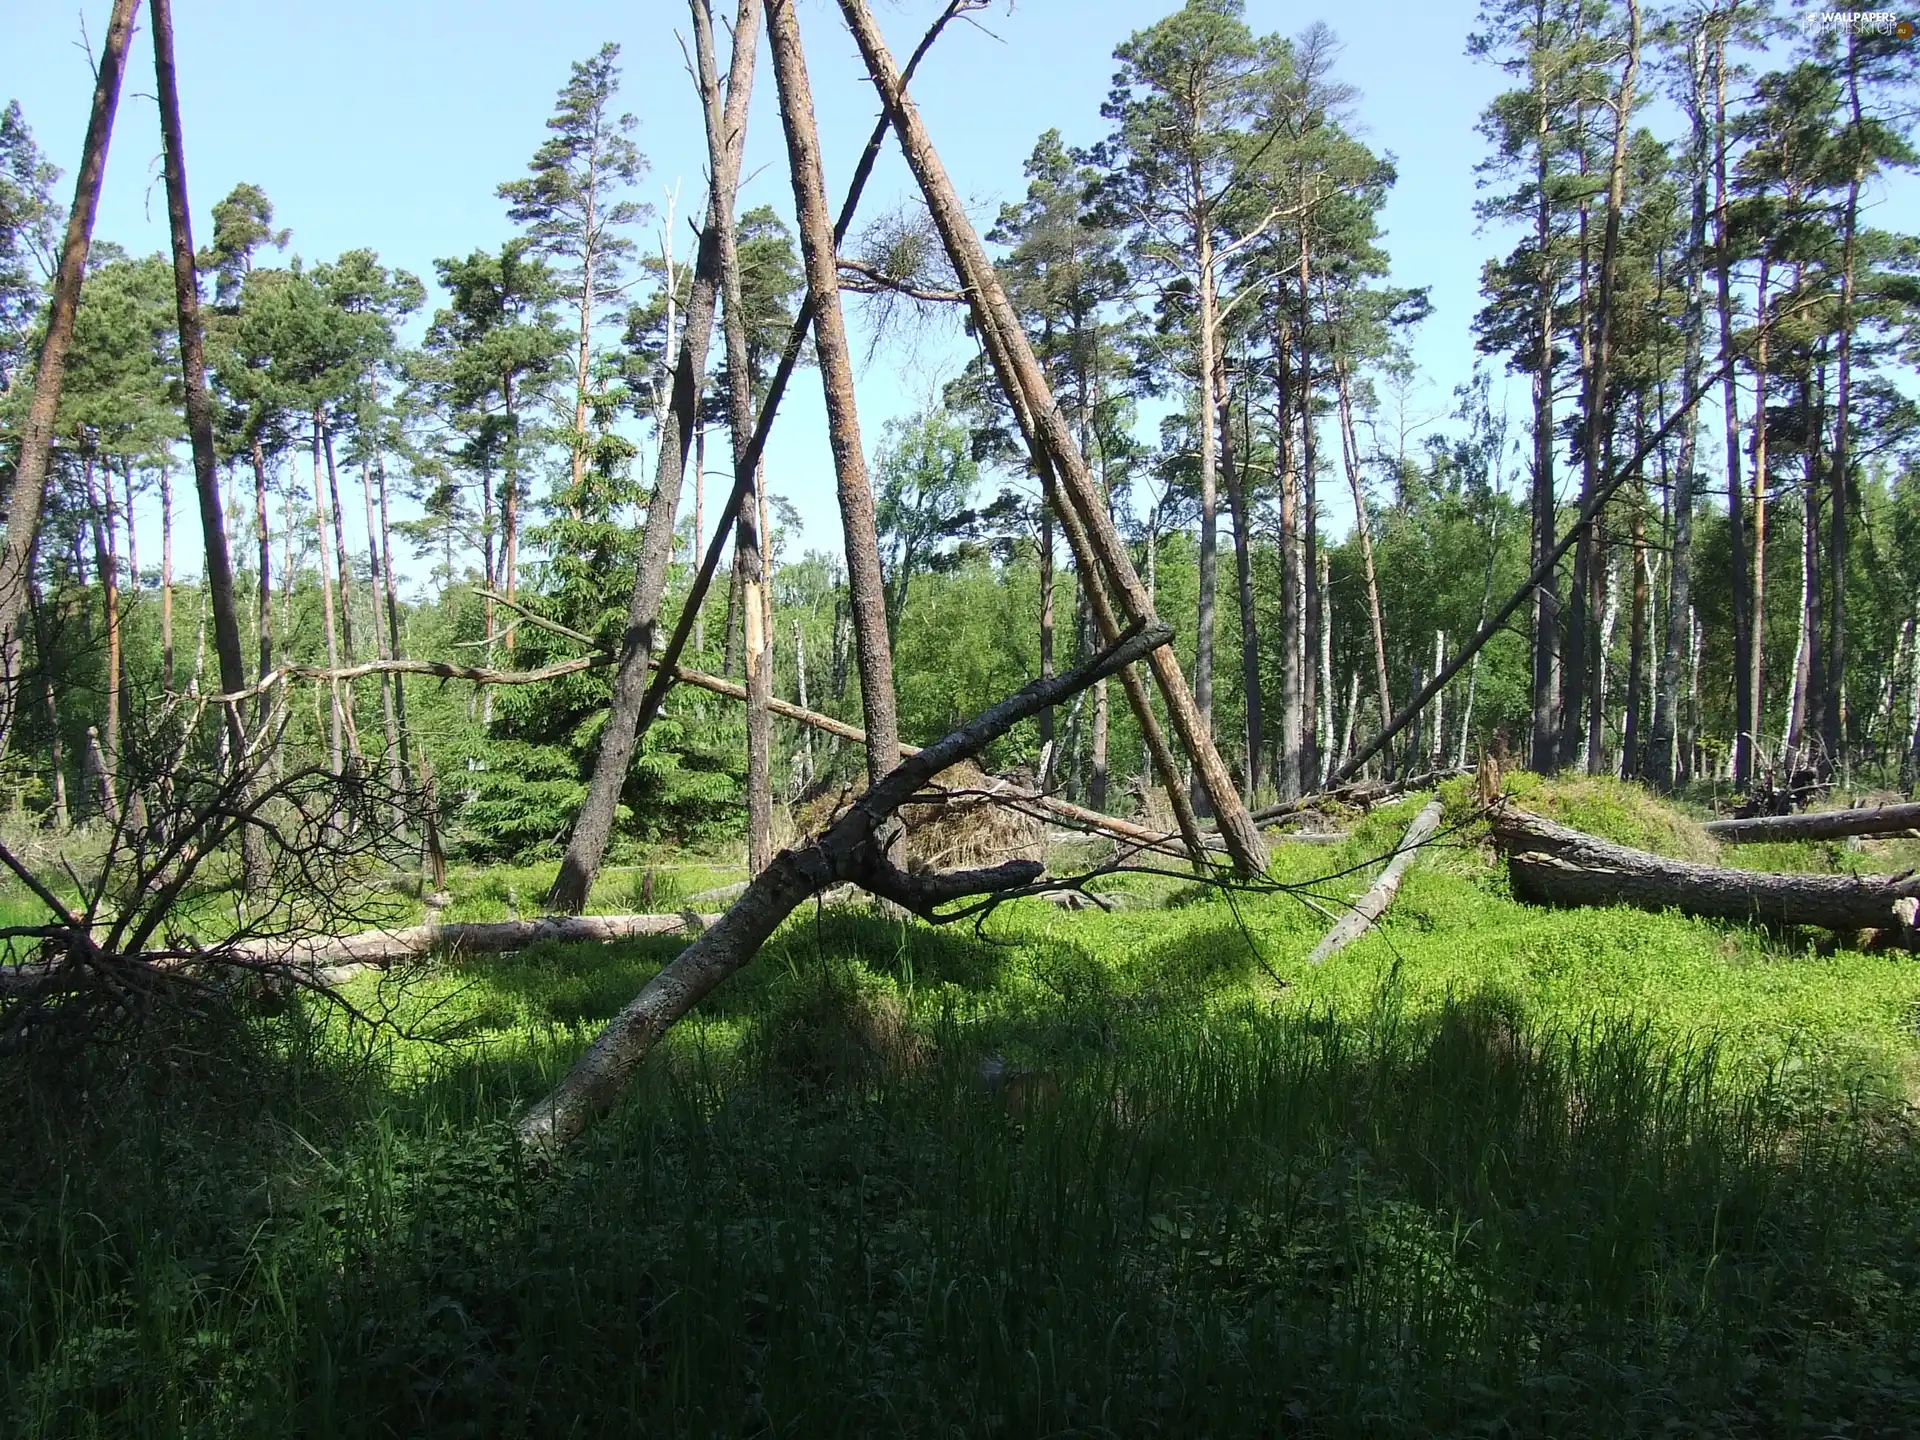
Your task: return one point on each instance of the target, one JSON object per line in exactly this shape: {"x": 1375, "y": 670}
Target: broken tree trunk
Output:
{"x": 851, "y": 849}
{"x": 1372, "y": 905}
{"x": 1024, "y": 382}
{"x": 1820, "y": 825}
{"x": 1553, "y": 865}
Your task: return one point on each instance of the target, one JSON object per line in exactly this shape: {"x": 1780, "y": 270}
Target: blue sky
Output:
{"x": 389, "y": 124}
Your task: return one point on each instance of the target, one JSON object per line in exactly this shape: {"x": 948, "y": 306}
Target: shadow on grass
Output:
{"x": 1237, "y": 1224}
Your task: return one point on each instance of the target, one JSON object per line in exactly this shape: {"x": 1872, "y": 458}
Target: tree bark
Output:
{"x": 1243, "y": 585}
{"x": 1580, "y": 664}
{"x": 1552, "y": 864}
{"x": 852, "y": 848}
{"x": 329, "y": 615}
{"x": 166, "y": 577}
{"x": 866, "y": 590}
{"x": 1834, "y": 732}
{"x": 593, "y": 826}
{"x": 1744, "y": 620}
{"x": 1816, "y": 825}
{"x": 1020, "y": 376}
{"x": 1372, "y": 905}
{"x": 36, "y": 435}
{"x": 1757, "y": 591}
{"x": 749, "y": 554}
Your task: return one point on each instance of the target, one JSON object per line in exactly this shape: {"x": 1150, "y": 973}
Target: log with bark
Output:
{"x": 329, "y": 960}
{"x": 1552, "y": 864}
{"x": 853, "y": 849}
{"x": 1372, "y": 905}
{"x": 1817, "y": 825}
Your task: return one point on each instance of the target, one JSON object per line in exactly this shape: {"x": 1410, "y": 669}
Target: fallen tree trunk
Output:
{"x": 1372, "y": 905}
{"x": 1552, "y": 864}
{"x": 1362, "y": 796}
{"x": 1819, "y": 825}
{"x": 329, "y": 960}
{"x": 850, "y": 849}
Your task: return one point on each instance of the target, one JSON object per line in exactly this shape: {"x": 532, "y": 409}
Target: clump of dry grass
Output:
{"x": 960, "y": 825}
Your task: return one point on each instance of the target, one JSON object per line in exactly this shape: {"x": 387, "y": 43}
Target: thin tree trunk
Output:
{"x": 56, "y": 757}
{"x": 389, "y": 714}
{"x": 1631, "y": 762}
{"x": 36, "y": 435}
{"x": 336, "y": 719}
{"x": 1544, "y": 746}
{"x": 805, "y": 779}
{"x": 1243, "y": 582}
{"x": 593, "y": 826}
{"x": 1206, "y": 320}
{"x": 1664, "y": 761}
{"x": 866, "y": 592}
{"x": 1044, "y": 555}
{"x": 699, "y": 529}
{"x": 749, "y": 554}
{"x": 1757, "y": 592}
{"x": 1363, "y": 529}
{"x": 1290, "y": 777}
{"x": 1745, "y": 622}
{"x": 107, "y": 563}
{"x": 1834, "y": 732}
{"x": 166, "y": 576}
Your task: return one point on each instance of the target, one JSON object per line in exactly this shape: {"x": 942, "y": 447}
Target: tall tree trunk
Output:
{"x": 107, "y": 563}
{"x": 336, "y": 725}
{"x": 804, "y": 780}
{"x": 1243, "y": 584}
{"x": 1026, "y": 385}
{"x": 1291, "y": 778}
{"x": 1632, "y": 762}
{"x": 1745, "y": 622}
{"x": 389, "y": 713}
{"x": 56, "y": 757}
{"x": 509, "y": 580}
{"x": 1363, "y": 529}
{"x": 749, "y": 553}
{"x": 342, "y": 562}
{"x": 699, "y": 529}
{"x": 1795, "y": 737}
{"x": 1757, "y": 591}
{"x": 166, "y": 576}
{"x": 36, "y": 435}
{"x": 1544, "y": 745}
{"x": 866, "y": 594}
{"x": 1207, "y": 323}
{"x": 1816, "y": 687}
{"x": 1663, "y": 763}
{"x": 593, "y": 826}
{"x": 1580, "y": 665}
{"x": 1044, "y": 554}
{"x": 1834, "y": 733}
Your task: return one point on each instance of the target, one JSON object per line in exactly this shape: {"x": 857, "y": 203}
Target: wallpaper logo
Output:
{"x": 1859, "y": 22}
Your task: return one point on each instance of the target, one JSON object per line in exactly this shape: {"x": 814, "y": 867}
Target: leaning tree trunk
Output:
{"x": 749, "y": 555}
{"x": 593, "y": 826}
{"x": 36, "y": 436}
{"x": 1021, "y": 377}
{"x": 866, "y": 591}
{"x": 852, "y": 848}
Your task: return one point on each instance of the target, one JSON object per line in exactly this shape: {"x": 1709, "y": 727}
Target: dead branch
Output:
{"x": 1372, "y": 905}
{"x": 845, "y": 851}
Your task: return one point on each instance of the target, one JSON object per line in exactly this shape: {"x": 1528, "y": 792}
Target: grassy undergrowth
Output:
{"x": 1491, "y": 1171}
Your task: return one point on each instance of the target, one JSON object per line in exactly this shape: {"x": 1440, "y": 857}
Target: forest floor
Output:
{"x": 1492, "y": 1170}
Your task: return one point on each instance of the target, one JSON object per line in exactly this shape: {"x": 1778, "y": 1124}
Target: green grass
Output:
{"x": 1491, "y": 1171}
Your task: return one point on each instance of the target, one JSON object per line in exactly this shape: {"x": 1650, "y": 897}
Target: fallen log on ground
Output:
{"x": 1362, "y": 795}
{"x": 1817, "y": 825}
{"x": 1372, "y": 905}
{"x": 845, "y": 851}
{"x": 1552, "y": 864}
{"x": 328, "y": 960}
